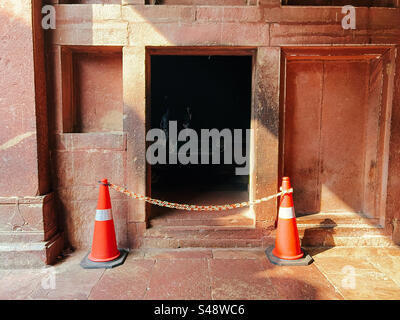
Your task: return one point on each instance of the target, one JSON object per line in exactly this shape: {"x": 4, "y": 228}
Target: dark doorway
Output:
{"x": 200, "y": 92}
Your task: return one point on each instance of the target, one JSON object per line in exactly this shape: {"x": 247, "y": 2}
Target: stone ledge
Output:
{"x": 27, "y": 200}
{"x": 93, "y": 140}
{"x": 28, "y": 214}
{"x": 30, "y": 255}
{"x": 20, "y": 236}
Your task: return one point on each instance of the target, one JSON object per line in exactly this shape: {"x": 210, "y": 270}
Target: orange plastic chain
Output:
{"x": 191, "y": 207}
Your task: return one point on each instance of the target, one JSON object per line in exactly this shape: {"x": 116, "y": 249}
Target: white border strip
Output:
{"x": 286, "y": 213}
{"x": 103, "y": 215}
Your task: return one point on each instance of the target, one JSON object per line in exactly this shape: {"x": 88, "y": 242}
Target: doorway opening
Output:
{"x": 197, "y": 92}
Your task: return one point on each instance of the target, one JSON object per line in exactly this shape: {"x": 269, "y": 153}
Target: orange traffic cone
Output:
{"x": 287, "y": 249}
{"x": 105, "y": 253}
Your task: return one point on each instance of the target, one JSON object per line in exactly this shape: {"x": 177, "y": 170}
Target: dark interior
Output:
{"x": 218, "y": 91}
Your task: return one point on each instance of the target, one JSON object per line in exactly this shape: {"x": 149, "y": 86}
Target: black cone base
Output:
{"x": 89, "y": 264}
{"x": 304, "y": 261}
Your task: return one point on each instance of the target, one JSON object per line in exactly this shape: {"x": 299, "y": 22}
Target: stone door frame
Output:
{"x": 189, "y": 51}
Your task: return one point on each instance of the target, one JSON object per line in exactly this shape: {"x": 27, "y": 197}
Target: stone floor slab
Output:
{"x": 301, "y": 283}
{"x": 198, "y": 273}
{"x": 20, "y": 284}
{"x": 127, "y": 282}
{"x": 366, "y": 287}
{"x": 390, "y": 265}
{"x": 180, "y": 279}
{"x": 357, "y": 278}
{"x": 71, "y": 281}
{"x": 240, "y": 279}
{"x": 238, "y": 254}
{"x": 178, "y": 254}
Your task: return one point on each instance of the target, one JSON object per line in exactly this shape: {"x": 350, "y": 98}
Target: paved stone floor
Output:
{"x": 337, "y": 273}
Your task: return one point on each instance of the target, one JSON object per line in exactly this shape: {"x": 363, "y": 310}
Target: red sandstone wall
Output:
{"x": 331, "y": 134}
{"x": 18, "y": 149}
{"x": 266, "y": 27}
{"x": 80, "y": 160}
{"x": 28, "y": 221}
{"x": 359, "y": 3}
{"x": 95, "y": 150}
{"x": 98, "y": 92}
{"x": 393, "y": 202}
{"x": 90, "y": 1}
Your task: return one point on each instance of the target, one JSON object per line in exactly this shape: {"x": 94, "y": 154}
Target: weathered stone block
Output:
{"x": 30, "y": 255}
{"x": 245, "y": 34}
{"x": 95, "y": 140}
{"x": 28, "y": 214}
{"x": 91, "y": 33}
{"x": 396, "y": 231}
{"x": 89, "y": 167}
{"x": 62, "y": 163}
{"x": 157, "y": 34}
{"x": 383, "y": 18}
{"x": 106, "y": 12}
{"x": 136, "y": 2}
{"x": 73, "y": 13}
{"x": 83, "y": 193}
{"x": 228, "y": 14}
{"x": 137, "y": 210}
{"x": 142, "y": 34}
{"x": 269, "y": 3}
{"x": 161, "y": 13}
{"x": 282, "y": 34}
{"x": 135, "y": 233}
{"x": 80, "y": 219}
{"x": 267, "y": 95}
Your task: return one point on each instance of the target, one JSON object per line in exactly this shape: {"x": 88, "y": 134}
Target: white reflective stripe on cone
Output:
{"x": 286, "y": 213}
{"x": 103, "y": 215}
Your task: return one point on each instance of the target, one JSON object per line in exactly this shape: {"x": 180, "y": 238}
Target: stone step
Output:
{"x": 354, "y": 230}
{"x": 321, "y": 237}
{"x": 352, "y": 241}
{"x": 204, "y": 232}
{"x": 340, "y": 229}
{"x": 23, "y": 236}
{"x": 324, "y": 229}
{"x": 148, "y": 243}
{"x": 22, "y": 255}
{"x": 336, "y": 218}
{"x": 30, "y": 255}
{"x": 342, "y": 235}
{"x": 237, "y": 218}
{"x": 204, "y": 236}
